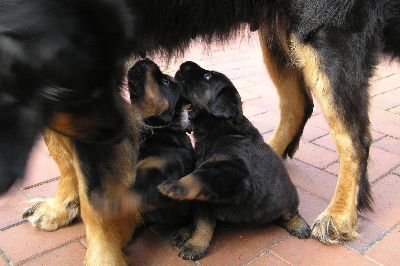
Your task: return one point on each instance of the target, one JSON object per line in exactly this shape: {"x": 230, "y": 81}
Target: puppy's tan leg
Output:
{"x": 339, "y": 221}
{"x": 295, "y": 104}
{"x": 197, "y": 245}
{"x": 52, "y": 213}
{"x": 181, "y": 236}
{"x": 296, "y": 226}
{"x": 106, "y": 234}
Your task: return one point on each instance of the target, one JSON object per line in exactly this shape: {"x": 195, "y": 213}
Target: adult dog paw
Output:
{"x": 50, "y": 215}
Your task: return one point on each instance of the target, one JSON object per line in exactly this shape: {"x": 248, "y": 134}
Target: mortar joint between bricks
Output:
{"x": 40, "y": 183}
{"x": 317, "y": 138}
{"x": 40, "y": 254}
{"x": 394, "y": 228}
{"x": 393, "y": 107}
{"x": 12, "y": 225}
{"x": 6, "y": 258}
{"x": 391, "y": 171}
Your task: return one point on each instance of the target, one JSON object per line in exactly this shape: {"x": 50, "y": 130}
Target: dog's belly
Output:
{"x": 247, "y": 213}
{"x": 172, "y": 214}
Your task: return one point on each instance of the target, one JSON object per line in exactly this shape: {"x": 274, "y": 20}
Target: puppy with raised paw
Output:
{"x": 237, "y": 178}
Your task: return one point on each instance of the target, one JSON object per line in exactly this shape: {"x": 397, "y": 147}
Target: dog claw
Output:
{"x": 192, "y": 252}
{"x": 325, "y": 230}
{"x": 29, "y": 212}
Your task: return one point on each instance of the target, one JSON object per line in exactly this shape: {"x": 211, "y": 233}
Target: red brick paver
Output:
{"x": 70, "y": 255}
{"x": 312, "y": 252}
{"x": 12, "y": 205}
{"x": 22, "y": 242}
{"x": 387, "y": 250}
{"x": 313, "y": 170}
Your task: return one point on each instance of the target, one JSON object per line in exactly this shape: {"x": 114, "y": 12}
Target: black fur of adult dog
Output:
{"x": 61, "y": 63}
{"x": 240, "y": 179}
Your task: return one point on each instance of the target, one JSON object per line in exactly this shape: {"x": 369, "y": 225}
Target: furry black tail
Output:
{"x": 365, "y": 199}
{"x": 391, "y": 30}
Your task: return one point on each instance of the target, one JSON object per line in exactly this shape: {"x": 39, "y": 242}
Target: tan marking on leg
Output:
{"x": 110, "y": 218}
{"x": 180, "y": 237}
{"x": 61, "y": 150}
{"x": 52, "y": 213}
{"x": 202, "y": 234}
{"x": 116, "y": 197}
{"x": 287, "y": 81}
{"x": 109, "y": 231}
{"x": 297, "y": 226}
{"x": 151, "y": 162}
{"x": 187, "y": 188}
{"x": 194, "y": 186}
{"x": 196, "y": 247}
{"x": 341, "y": 212}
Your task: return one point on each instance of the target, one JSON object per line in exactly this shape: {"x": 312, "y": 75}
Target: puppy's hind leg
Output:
{"x": 52, "y": 213}
{"x": 203, "y": 226}
{"x": 295, "y": 225}
{"x": 181, "y": 236}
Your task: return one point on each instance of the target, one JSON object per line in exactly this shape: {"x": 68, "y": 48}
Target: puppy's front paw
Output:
{"x": 181, "y": 236}
{"x": 192, "y": 251}
{"x": 173, "y": 189}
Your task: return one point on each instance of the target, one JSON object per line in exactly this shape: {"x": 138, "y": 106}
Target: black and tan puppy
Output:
{"x": 165, "y": 151}
{"x": 238, "y": 178}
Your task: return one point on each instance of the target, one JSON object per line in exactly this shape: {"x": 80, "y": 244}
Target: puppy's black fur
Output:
{"x": 52, "y": 50}
{"x": 165, "y": 151}
{"x": 237, "y": 174}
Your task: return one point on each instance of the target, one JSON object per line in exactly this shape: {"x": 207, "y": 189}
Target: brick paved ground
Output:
{"x": 313, "y": 170}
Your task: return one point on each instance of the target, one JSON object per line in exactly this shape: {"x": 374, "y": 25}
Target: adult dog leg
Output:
{"x": 106, "y": 233}
{"x": 340, "y": 84}
{"x": 295, "y": 104}
{"x": 52, "y": 213}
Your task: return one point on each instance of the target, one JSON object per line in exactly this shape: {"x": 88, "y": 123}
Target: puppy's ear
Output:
{"x": 227, "y": 104}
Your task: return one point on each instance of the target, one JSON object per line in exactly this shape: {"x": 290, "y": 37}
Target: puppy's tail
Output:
{"x": 391, "y": 30}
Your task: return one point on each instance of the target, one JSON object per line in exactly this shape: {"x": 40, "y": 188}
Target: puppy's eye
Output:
{"x": 165, "y": 82}
{"x": 207, "y": 76}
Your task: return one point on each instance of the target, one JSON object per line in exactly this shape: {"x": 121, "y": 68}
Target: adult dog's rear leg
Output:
{"x": 295, "y": 103}
{"x": 340, "y": 84}
{"x": 52, "y": 213}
